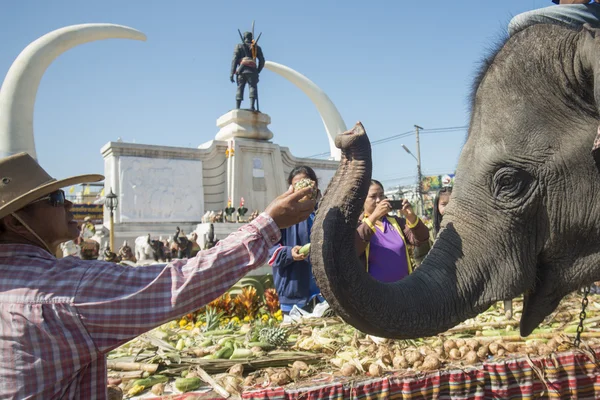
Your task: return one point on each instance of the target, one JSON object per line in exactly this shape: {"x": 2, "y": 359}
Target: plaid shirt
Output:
{"x": 59, "y": 317}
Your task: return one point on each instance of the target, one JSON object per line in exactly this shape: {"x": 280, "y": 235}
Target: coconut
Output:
{"x": 473, "y": 343}
{"x": 449, "y": 345}
{"x": 464, "y": 350}
{"x": 483, "y": 351}
{"x": 294, "y": 373}
{"x": 511, "y": 347}
{"x": 494, "y": 347}
{"x": 348, "y": 369}
{"x": 417, "y": 364}
{"x": 301, "y": 365}
{"x": 399, "y": 362}
{"x": 431, "y": 363}
{"x": 413, "y": 356}
{"x": 471, "y": 357}
{"x": 236, "y": 369}
{"x": 454, "y": 354}
{"x": 460, "y": 343}
{"x": 375, "y": 370}
{"x": 114, "y": 392}
{"x": 280, "y": 378}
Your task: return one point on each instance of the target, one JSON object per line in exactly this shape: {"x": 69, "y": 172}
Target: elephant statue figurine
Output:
{"x": 143, "y": 248}
{"x": 524, "y": 216}
{"x": 182, "y": 244}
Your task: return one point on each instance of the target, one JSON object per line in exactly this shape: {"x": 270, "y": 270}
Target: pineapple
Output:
{"x": 274, "y": 335}
{"x": 272, "y": 300}
{"x": 212, "y": 319}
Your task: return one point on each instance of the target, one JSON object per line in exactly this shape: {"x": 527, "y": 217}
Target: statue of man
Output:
{"x": 244, "y": 67}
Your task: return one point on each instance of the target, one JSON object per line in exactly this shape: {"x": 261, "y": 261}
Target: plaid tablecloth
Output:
{"x": 568, "y": 375}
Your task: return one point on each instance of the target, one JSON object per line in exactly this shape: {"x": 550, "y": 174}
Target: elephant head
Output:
{"x": 524, "y": 216}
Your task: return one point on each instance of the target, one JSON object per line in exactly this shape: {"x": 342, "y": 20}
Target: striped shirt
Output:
{"x": 59, "y": 317}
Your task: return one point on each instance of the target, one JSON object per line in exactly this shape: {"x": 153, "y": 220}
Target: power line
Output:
{"x": 402, "y": 135}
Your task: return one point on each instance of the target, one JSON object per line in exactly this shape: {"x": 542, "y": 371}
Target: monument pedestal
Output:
{"x": 244, "y": 124}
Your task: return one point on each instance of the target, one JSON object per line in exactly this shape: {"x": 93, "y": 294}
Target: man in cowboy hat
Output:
{"x": 59, "y": 317}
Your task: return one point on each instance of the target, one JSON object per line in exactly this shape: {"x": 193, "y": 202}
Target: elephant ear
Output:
{"x": 591, "y": 62}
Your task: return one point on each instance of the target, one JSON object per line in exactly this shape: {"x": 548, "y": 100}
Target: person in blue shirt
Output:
{"x": 292, "y": 271}
{"x": 572, "y": 13}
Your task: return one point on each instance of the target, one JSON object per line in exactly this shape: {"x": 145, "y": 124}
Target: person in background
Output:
{"x": 382, "y": 239}
{"x": 572, "y": 13}
{"x": 292, "y": 271}
{"x": 60, "y": 317}
{"x": 440, "y": 202}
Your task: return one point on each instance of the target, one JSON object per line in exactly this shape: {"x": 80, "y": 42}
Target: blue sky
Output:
{"x": 389, "y": 64}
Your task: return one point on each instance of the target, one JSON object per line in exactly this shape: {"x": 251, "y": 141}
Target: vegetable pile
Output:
{"x": 229, "y": 353}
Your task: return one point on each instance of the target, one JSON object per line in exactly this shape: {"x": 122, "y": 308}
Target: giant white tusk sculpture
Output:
{"x": 334, "y": 124}
{"x": 18, "y": 92}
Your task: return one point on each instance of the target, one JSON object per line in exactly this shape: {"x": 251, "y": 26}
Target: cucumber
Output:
{"x": 187, "y": 384}
{"x": 262, "y": 345}
{"x": 241, "y": 353}
{"x": 224, "y": 353}
{"x": 206, "y": 343}
{"x": 219, "y": 332}
{"x": 151, "y": 381}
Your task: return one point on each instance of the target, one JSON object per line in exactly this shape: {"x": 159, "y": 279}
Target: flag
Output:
{"x": 102, "y": 192}
{"x": 86, "y": 190}
{"x": 72, "y": 190}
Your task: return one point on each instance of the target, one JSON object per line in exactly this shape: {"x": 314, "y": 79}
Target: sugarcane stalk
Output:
{"x": 130, "y": 366}
{"x": 208, "y": 379}
{"x": 479, "y": 327}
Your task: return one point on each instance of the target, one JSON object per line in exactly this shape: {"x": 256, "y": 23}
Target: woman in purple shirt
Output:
{"x": 382, "y": 239}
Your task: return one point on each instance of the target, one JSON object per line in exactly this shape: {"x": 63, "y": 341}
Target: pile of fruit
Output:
{"x": 229, "y": 355}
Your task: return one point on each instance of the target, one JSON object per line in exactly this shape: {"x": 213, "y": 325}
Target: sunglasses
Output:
{"x": 55, "y": 199}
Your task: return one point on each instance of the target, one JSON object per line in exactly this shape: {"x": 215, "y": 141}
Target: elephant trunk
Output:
{"x": 431, "y": 300}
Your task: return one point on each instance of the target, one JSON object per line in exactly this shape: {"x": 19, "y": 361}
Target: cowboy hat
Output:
{"x": 23, "y": 180}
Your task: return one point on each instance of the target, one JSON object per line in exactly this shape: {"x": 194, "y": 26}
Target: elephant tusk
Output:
{"x": 331, "y": 117}
{"x": 18, "y": 92}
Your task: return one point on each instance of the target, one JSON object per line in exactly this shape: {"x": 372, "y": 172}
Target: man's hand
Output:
{"x": 297, "y": 256}
{"x": 231, "y": 78}
{"x": 287, "y": 209}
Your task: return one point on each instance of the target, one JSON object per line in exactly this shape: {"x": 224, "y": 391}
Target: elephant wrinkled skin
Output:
{"x": 524, "y": 215}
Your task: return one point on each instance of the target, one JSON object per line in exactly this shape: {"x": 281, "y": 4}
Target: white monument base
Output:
{"x": 244, "y": 124}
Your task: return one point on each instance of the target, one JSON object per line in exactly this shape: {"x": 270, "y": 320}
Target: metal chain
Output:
{"x": 582, "y": 315}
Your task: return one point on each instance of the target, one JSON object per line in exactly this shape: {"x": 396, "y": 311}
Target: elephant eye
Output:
{"x": 510, "y": 182}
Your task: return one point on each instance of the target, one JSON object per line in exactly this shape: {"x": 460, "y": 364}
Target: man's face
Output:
{"x": 53, "y": 223}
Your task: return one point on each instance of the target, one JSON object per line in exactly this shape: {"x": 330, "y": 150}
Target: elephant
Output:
{"x": 524, "y": 216}
{"x": 148, "y": 249}
{"x": 181, "y": 244}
